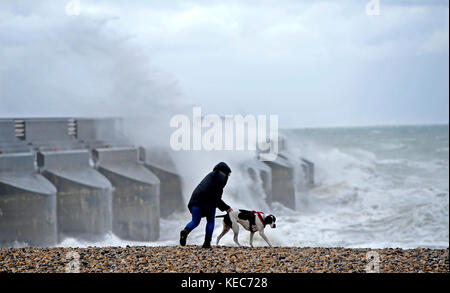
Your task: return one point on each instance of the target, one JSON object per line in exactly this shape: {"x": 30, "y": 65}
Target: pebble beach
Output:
{"x": 221, "y": 259}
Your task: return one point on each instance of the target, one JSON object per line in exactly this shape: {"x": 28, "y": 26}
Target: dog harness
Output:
{"x": 260, "y": 216}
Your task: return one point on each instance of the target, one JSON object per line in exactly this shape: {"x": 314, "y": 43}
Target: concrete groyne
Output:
{"x": 27, "y": 203}
{"x": 83, "y": 178}
{"x": 135, "y": 205}
{"x": 84, "y": 196}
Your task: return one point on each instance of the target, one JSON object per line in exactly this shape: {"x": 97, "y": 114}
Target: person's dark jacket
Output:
{"x": 210, "y": 189}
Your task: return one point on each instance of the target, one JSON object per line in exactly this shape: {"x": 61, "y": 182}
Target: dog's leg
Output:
{"x": 224, "y": 231}
{"x": 264, "y": 237}
{"x": 236, "y": 234}
{"x": 251, "y": 238}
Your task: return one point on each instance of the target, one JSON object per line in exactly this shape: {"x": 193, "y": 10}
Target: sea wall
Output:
{"x": 83, "y": 178}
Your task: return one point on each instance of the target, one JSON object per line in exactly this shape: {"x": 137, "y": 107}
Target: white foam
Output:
{"x": 361, "y": 198}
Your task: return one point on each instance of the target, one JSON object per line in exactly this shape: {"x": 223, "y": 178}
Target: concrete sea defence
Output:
{"x": 283, "y": 181}
{"x": 27, "y": 203}
{"x": 82, "y": 178}
{"x": 135, "y": 205}
{"x": 158, "y": 161}
{"x": 193, "y": 259}
{"x": 84, "y": 197}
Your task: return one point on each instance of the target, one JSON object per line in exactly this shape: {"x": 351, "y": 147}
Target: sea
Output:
{"x": 374, "y": 187}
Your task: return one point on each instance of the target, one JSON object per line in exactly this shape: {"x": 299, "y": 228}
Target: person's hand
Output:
{"x": 229, "y": 210}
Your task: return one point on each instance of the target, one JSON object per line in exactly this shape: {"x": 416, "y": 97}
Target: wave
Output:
{"x": 361, "y": 198}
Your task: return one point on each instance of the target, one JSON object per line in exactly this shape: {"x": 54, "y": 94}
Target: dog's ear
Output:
{"x": 272, "y": 218}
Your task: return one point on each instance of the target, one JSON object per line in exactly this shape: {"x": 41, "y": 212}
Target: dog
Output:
{"x": 251, "y": 221}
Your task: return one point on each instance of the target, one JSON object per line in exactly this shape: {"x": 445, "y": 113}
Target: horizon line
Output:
{"x": 368, "y": 125}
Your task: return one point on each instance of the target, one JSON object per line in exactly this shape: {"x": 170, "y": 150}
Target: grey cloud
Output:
{"x": 311, "y": 62}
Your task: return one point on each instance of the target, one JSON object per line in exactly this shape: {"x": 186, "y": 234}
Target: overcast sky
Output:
{"x": 314, "y": 63}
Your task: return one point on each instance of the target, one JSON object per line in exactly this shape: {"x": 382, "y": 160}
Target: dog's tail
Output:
{"x": 226, "y": 220}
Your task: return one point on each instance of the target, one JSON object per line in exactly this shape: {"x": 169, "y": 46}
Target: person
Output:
{"x": 204, "y": 200}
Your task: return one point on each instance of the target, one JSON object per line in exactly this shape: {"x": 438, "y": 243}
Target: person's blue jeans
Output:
{"x": 200, "y": 211}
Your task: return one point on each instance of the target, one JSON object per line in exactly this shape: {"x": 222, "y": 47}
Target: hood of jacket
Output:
{"x": 223, "y": 168}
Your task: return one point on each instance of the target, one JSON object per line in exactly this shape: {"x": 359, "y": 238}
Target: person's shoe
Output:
{"x": 207, "y": 243}
{"x": 183, "y": 236}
